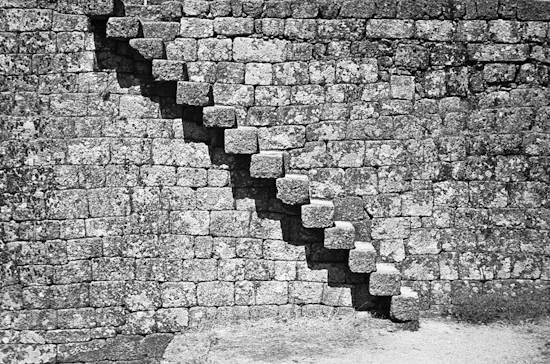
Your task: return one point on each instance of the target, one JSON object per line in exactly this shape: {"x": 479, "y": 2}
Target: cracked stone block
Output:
{"x": 167, "y": 70}
{"x": 267, "y": 165}
{"x": 341, "y": 236}
{"x": 405, "y": 306}
{"x": 293, "y": 189}
{"x": 148, "y": 48}
{"x": 193, "y": 93}
{"x": 122, "y": 28}
{"x": 362, "y": 259}
{"x": 386, "y": 281}
{"x": 318, "y": 214}
{"x": 219, "y": 116}
{"x": 243, "y": 140}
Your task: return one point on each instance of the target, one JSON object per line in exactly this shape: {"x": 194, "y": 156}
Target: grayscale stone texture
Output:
{"x": 127, "y": 209}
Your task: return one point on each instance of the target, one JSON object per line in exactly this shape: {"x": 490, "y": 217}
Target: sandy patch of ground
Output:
{"x": 360, "y": 340}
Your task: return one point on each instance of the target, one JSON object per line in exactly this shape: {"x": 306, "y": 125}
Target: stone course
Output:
{"x": 141, "y": 142}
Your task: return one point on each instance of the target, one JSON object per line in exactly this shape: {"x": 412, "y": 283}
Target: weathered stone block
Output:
{"x": 272, "y": 95}
{"x": 167, "y": 70}
{"x": 233, "y": 95}
{"x": 230, "y": 72}
{"x": 259, "y": 50}
{"x": 216, "y": 294}
{"x": 498, "y": 52}
{"x": 213, "y": 49}
{"x": 258, "y": 74}
{"x": 402, "y": 87}
{"x": 123, "y": 28}
{"x": 172, "y": 319}
{"x": 178, "y": 294}
{"x": 234, "y": 26}
{"x": 243, "y": 140}
{"x": 435, "y": 30}
{"x": 293, "y": 189}
{"x": 267, "y": 164}
{"x": 385, "y": 281}
{"x": 362, "y": 259}
{"x": 193, "y": 93}
{"x": 389, "y": 28}
{"x": 230, "y": 223}
{"x": 99, "y": 7}
{"x": 148, "y": 48}
{"x": 166, "y": 31}
{"x": 190, "y": 222}
{"x": 219, "y": 116}
{"x": 196, "y": 28}
{"x": 318, "y": 214}
{"x": 182, "y": 49}
{"x": 405, "y": 306}
{"x": 341, "y": 236}
{"x": 281, "y": 137}
{"x": 272, "y": 293}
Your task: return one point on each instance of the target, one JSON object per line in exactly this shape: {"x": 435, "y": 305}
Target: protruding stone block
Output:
{"x": 166, "y": 70}
{"x": 218, "y": 116}
{"x": 341, "y": 236}
{"x": 193, "y": 93}
{"x": 123, "y": 28}
{"x": 243, "y": 140}
{"x": 405, "y": 306}
{"x": 362, "y": 259}
{"x": 293, "y": 189}
{"x": 267, "y": 164}
{"x": 318, "y": 214}
{"x": 148, "y": 48}
{"x": 386, "y": 281}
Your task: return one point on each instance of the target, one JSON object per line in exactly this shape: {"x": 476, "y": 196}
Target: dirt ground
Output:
{"x": 361, "y": 340}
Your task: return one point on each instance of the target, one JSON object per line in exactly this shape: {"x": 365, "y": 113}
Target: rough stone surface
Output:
{"x": 341, "y": 236}
{"x": 404, "y": 307}
{"x": 362, "y": 259}
{"x": 267, "y": 165}
{"x": 125, "y": 212}
{"x": 385, "y": 281}
{"x": 293, "y": 189}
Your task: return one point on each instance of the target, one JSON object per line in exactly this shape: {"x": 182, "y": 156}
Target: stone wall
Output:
{"x": 129, "y": 210}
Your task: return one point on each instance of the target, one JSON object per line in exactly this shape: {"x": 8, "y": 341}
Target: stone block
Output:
{"x": 189, "y": 222}
{"x": 167, "y": 31}
{"x": 385, "y": 281}
{"x": 318, "y": 214}
{"x": 99, "y": 8}
{"x": 362, "y": 259}
{"x": 123, "y": 28}
{"x": 267, "y": 164}
{"x": 402, "y": 87}
{"x": 341, "y": 236}
{"x": 258, "y": 74}
{"x": 168, "y": 70}
{"x": 233, "y": 95}
{"x": 405, "y": 306}
{"x": 178, "y": 294}
{"x": 171, "y": 10}
{"x": 272, "y": 293}
{"x": 233, "y": 26}
{"x": 436, "y": 30}
{"x": 272, "y": 95}
{"x": 259, "y": 50}
{"x": 219, "y": 116}
{"x": 182, "y": 49}
{"x": 230, "y": 223}
{"x": 293, "y": 189}
{"x": 213, "y": 49}
{"x": 282, "y": 137}
{"x": 216, "y": 294}
{"x": 148, "y": 48}
{"x": 230, "y": 72}
{"x": 193, "y": 93}
{"x": 172, "y": 319}
{"x": 498, "y": 52}
{"x": 243, "y": 140}
{"x": 196, "y": 28}
{"x": 390, "y": 28}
